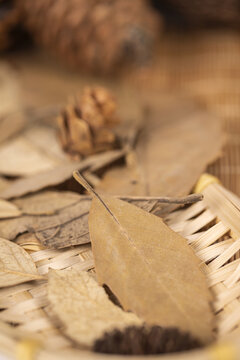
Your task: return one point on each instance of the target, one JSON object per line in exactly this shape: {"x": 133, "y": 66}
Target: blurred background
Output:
{"x": 141, "y": 49}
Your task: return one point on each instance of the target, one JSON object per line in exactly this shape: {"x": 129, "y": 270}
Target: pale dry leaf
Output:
{"x": 19, "y": 157}
{"x": 8, "y": 210}
{"x": 39, "y": 181}
{"x": 28, "y": 152}
{"x": 150, "y": 268}
{"x": 57, "y": 175}
{"x": 29, "y": 242}
{"x": 16, "y": 265}
{"x": 83, "y": 308}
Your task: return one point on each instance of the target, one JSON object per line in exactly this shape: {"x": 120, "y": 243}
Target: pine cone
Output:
{"x": 97, "y": 35}
{"x": 86, "y": 123}
{"x": 144, "y": 341}
{"x": 9, "y": 20}
{"x": 201, "y": 12}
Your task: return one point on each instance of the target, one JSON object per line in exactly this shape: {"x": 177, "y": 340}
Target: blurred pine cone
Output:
{"x": 201, "y": 12}
{"x": 85, "y": 125}
{"x": 98, "y": 35}
{"x": 9, "y": 20}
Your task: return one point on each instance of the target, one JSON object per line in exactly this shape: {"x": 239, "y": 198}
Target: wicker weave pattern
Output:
{"x": 215, "y": 240}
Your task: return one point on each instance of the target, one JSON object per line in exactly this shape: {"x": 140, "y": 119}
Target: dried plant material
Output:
{"x": 8, "y": 210}
{"x": 177, "y": 142}
{"x": 29, "y": 152}
{"x": 16, "y": 266}
{"x": 85, "y": 125}
{"x": 29, "y": 242}
{"x": 161, "y": 273}
{"x": 4, "y": 183}
{"x": 60, "y": 219}
{"x": 18, "y": 121}
{"x": 39, "y": 181}
{"x": 57, "y": 175}
{"x": 83, "y": 307}
{"x": 57, "y": 219}
{"x": 47, "y": 202}
{"x": 9, "y": 92}
{"x": 145, "y": 341}
{"x": 94, "y": 36}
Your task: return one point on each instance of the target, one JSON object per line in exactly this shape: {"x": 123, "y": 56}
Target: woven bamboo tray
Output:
{"x": 212, "y": 228}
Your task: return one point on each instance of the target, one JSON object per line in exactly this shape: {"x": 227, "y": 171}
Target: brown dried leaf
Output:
{"x": 16, "y": 266}
{"x": 83, "y": 307}
{"x": 151, "y": 269}
{"x": 46, "y": 202}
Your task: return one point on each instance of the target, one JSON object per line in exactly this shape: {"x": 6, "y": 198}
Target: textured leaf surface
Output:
{"x": 83, "y": 308}
{"x": 16, "y": 265}
{"x": 150, "y": 268}
{"x": 58, "y": 219}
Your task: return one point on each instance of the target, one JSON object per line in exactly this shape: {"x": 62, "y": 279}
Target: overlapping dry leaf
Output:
{"x": 177, "y": 142}
{"x": 153, "y": 272}
{"x": 58, "y": 219}
{"x": 16, "y": 265}
{"x": 83, "y": 308}
{"x": 58, "y": 174}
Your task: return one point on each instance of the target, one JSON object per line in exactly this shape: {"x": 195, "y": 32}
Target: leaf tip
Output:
{"x": 80, "y": 179}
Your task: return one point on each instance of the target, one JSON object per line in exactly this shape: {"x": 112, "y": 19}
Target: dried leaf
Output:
{"x": 9, "y": 93}
{"x": 83, "y": 307}
{"x": 178, "y": 141}
{"x": 8, "y": 210}
{"x": 46, "y": 203}
{"x": 39, "y": 181}
{"x": 57, "y": 175}
{"x": 4, "y": 183}
{"x": 59, "y": 219}
{"x": 21, "y": 157}
{"x": 150, "y": 268}
{"x": 16, "y": 265}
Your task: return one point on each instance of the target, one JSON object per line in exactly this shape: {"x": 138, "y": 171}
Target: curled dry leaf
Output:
{"x": 83, "y": 308}
{"x": 16, "y": 265}
{"x": 150, "y": 268}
